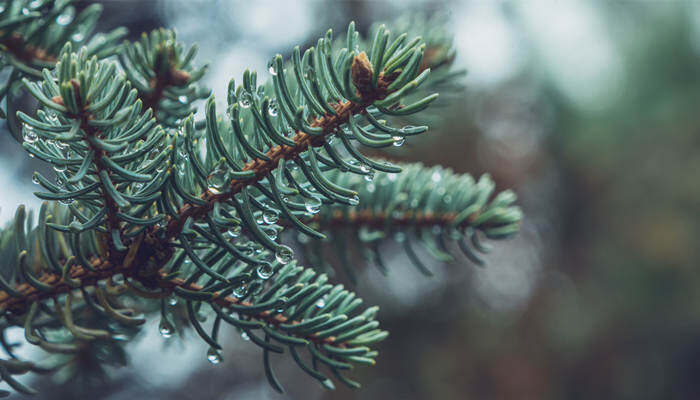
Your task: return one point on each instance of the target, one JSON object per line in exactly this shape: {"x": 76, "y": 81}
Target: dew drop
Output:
{"x": 271, "y": 68}
{"x": 365, "y": 168}
{"x": 78, "y": 36}
{"x": 392, "y": 177}
{"x": 312, "y": 204}
{"x": 216, "y": 180}
{"x": 245, "y": 336}
{"x": 35, "y": 179}
{"x": 214, "y": 355}
{"x": 59, "y": 167}
{"x": 399, "y": 141}
{"x": 244, "y": 102}
{"x": 400, "y": 237}
{"x": 265, "y": 270}
{"x": 270, "y": 217}
{"x": 354, "y": 200}
{"x": 435, "y": 177}
{"x": 272, "y": 109}
{"x": 321, "y": 302}
{"x": 271, "y": 233}
{"x": 240, "y": 291}
{"x": 369, "y": 175}
{"x": 284, "y": 254}
{"x": 172, "y": 300}
{"x": 371, "y": 188}
{"x": 182, "y": 99}
{"x": 59, "y": 182}
{"x": 67, "y": 201}
{"x": 65, "y": 18}
{"x": 234, "y": 231}
{"x": 165, "y": 328}
{"x": 29, "y": 135}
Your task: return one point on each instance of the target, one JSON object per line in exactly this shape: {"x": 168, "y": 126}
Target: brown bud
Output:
{"x": 361, "y": 71}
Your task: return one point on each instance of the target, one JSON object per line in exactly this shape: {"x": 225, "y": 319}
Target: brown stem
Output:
{"x": 15, "y": 45}
{"x": 103, "y": 270}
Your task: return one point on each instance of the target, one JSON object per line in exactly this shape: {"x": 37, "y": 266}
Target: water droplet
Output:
{"x": 165, "y": 328}
{"x": 400, "y": 237}
{"x": 245, "y": 336}
{"x": 67, "y": 201}
{"x": 399, "y": 141}
{"x": 214, "y": 355}
{"x": 284, "y": 254}
{"x": 65, "y": 18}
{"x": 244, "y": 102}
{"x": 270, "y": 217}
{"x": 371, "y": 188}
{"x": 272, "y": 109}
{"x": 265, "y": 270}
{"x": 234, "y": 231}
{"x": 172, "y": 300}
{"x": 182, "y": 99}
{"x": 270, "y": 232}
{"x": 435, "y": 177}
{"x": 392, "y": 177}
{"x": 216, "y": 180}
{"x": 240, "y": 291}
{"x": 35, "y": 179}
{"x": 78, "y": 36}
{"x": 321, "y": 302}
{"x": 407, "y": 129}
{"x": 31, "y": 155}
{"x": 25, "y": 11}
{"x": 369, "y": 175}
{"x": 271, "y": 68}
{"x": 59, "y": 167}
{"x": 354, "y": 200}
{"x": 365, "y": 168}
{"x": 29, "y": 135}
{"x": 60, "y": 182}
{"x": 313, "y": 204}
{"x": 330, "y": 139}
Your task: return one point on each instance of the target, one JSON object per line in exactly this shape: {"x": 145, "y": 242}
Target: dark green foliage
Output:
{"x": 157, "y": 212}
{"x": 32, "y": 32}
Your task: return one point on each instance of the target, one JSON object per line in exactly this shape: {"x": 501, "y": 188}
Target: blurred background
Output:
{"x": 588, "y": 110}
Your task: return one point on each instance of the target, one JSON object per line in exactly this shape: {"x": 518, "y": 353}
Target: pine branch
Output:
{"x": 157, "y": 207}
{"x": 328, "y": 123}
{"x": 33, "y": 32}
{"x": 433, "y": 205}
